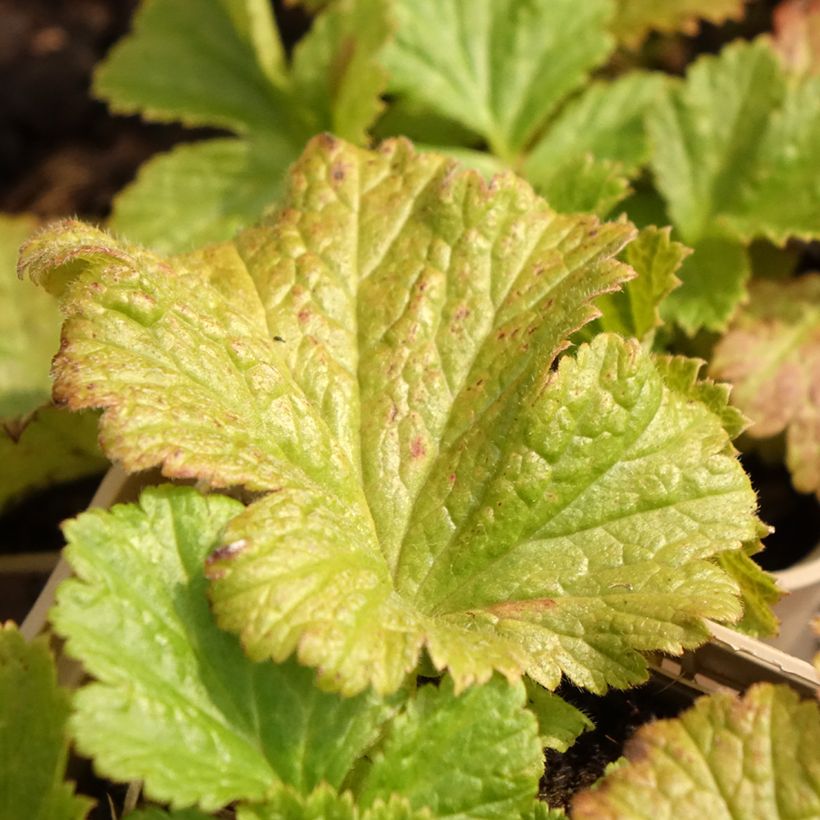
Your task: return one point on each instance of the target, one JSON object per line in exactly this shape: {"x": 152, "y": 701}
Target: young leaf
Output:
{"x": 176, "y": 703}
{"x": 475, "y": 755}
{"x": 390, "y": 378}
{"x": 633, "y": 311}
{"x": 47, "y": 447}
{"x": 634, "y": 19}
{"x": 772, "y": 356}
{"x": 33, "y": 740}
{"x": 759, "y": 591}
{"x": 605, "y": 120}
{"x": 727, "y": 757}
{"x": 499, "y": 67}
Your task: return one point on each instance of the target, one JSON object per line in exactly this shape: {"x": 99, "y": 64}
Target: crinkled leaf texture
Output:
{"x": 727, "y": 757}
{"x": 33, "y": 739}
{"x": 379, "y": 357}
{"x": 176, "y": 703}
{"x": 772, "y": 356}
{"x": 229, "y": 71}
{"x": 735, "y": 150}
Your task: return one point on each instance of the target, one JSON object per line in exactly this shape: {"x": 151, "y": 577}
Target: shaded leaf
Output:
{"x": 559, "y": 722}
{"x": 759, "y": 591}
{"x": 727, "y": 757}
{"x": 33, "y": 739}
{"x": 499, "y": 67}
{"x": 634, "y": 19}
{"x": 475, "y": 755}
{"x": 772, "y": 356}
{"x": 176, "y": 703}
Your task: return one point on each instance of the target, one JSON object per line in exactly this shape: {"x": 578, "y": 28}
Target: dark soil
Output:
{"x": 617, "y": 716}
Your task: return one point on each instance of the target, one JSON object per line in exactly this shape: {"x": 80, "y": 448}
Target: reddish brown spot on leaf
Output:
{"x": 417, "y": 448}
{"x": 227, "y": 551}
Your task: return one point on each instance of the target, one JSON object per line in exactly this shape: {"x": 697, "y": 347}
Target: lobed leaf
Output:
{"x": 33, "y": 739}
{"x": 559, "y": 722}
{"x": 176, "y": 703}
{"x": 475, "y": 755}
{"x": 771, "y": 354}
{"x": 501, "y": 67}
{"x": 727, "y": 757}
{"x": 378, "y": 356}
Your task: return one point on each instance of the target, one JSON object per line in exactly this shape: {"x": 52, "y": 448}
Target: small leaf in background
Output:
{"x": 381, "y": 355}
{"x": 176, "y": 703}
{"x": 33, "y": 738}
{"x": 713, "y": 283}
{"x": 325, "y": 804}
{"x": 161, "y": 814}
{"x": 39, "y": 445}
{"x": 559, "y": 722}
{"x": 797, "y": 34}
{"x": 605, "y": 120}
{"x": 499, "y": 67}
{"x": 475, "y": 755}
{"x": 771, "y": 355}
{"x": 583, "y": 184}
{"x": 229, "y": 71}
{"x": 758, "y": 589}
{"x": 634, "y": 19}
{"x": 735, "y": 757}
{"x": 634, "y": 310}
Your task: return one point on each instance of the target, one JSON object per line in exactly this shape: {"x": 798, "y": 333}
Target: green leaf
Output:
{"x": 325, "y": 804}
{"x": 221, "y": 56}
{"x": 605, "y": 120}
{"x": 713, "y": 281}
{"x": 380, "y": 353}
{"x": 33, "y": 740}
{"x": 583, "y": 184}
{"x": 335, "y": 72}
{"x": 39, "y": 446}
{"x": 559, "y": 722}
{"x": 176, "y": 703}
{"x": 475, "y": 755}
{"x": 29, "y": 328}
{"x": 771, "y": 355}
{"x": 634, "y": 19}
{"x": 655, "y": 258}
{"x": 727, "y": 757}
{"x": 48, "y": 447}
{"x": 759, "y": 591}
{"x": 202, "y": 192}
{"x": 161, "y": 814}
{"x": 734, "y": 148}
{"x": 499, "y": 67}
